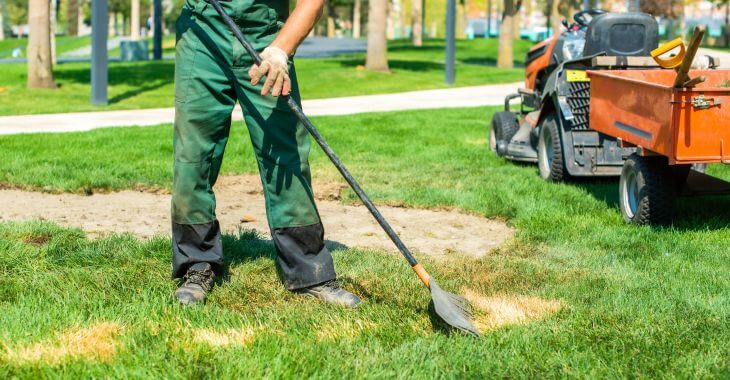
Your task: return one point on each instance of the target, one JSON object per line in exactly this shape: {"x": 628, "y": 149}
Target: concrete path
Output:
{"x": 318, "y": 47}
{"x": 111, "y": 43}
{"x": 444, "y": 98}
{"x": 312, "y": 47}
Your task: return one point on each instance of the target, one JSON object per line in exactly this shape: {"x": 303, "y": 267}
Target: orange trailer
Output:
{"x": 672, "y": 128}
{"x": 643, "y": 109}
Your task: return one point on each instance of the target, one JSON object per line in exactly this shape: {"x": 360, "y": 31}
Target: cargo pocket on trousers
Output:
{"x": 184, "y": 64}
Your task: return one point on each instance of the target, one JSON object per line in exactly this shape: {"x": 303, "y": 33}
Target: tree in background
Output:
{"x": 17, "y": 13}
{"x": 417, "y": 22}
{"x": 135, "y": 17}
{"x": 72, "y": 17}
{"x": 330, "y": 4}
{"x": 672, "y": 10}
{"x": 725, "y": 4}
{"x": 555, "y": 18}
{"x": 40, "y": 67}
{"x": 505, "y": 57}
{"x": 377, "y": 55}
{"x": 2, "y": 20}
{"x": 356, "y": 18}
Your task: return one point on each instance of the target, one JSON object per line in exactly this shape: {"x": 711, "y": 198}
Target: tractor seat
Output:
{"x": 622, "y": 34}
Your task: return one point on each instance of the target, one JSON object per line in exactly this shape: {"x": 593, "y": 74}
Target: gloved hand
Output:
{"x": 275, "y": 65}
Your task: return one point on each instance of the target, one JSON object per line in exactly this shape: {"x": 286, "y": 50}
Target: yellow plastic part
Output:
{"x": 671, "y": 62}
{"x": 577, "y": 76}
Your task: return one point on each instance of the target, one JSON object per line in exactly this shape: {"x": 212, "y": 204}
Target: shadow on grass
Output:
{"x": 250, "y": 246}
{"x": 396, "y": 64}
{"x": 132, "y": 74}
{"x": 697, "y": 213}
{"x": 137, "y": 91}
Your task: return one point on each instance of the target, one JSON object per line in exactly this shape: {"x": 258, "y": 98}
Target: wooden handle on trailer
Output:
{"x": 694, "y": 44}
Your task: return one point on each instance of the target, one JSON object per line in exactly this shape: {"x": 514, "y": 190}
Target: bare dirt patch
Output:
{"x": 241, "y": 206}
{"x": 98, "y": 342}
{"x": 494, "y": 312}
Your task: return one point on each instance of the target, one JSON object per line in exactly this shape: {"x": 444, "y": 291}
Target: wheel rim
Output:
{"x": 492, "y": 140}
{"x": 546, "y": 149}
{"x": 631, "y": 194}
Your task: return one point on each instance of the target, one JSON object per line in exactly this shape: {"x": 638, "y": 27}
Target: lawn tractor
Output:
{"x": 602, "y": 99}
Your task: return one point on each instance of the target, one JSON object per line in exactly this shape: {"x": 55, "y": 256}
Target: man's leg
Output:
{"x": 204, "y": 100}
{"x": 282, "y": 146}
{"x": 282, "y": 151}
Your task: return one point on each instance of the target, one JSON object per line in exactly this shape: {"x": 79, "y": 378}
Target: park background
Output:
{"x": 567, "y": 290}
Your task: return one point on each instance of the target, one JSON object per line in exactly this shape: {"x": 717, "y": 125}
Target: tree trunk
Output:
{"x": 136, "y": 25}
{"x": 356, "y": 19}
{"x": 2, "y": 21}
{"x": 417, "y": 22}
{"x": 517, "y": 26}
{"x": 52, "y": 29}
{"x": 72, "y": 18}
{"x": 40, "y": 69}
{"x": 727, "y": 23}
{"x": 389, "y": 20}
{"x": 80, "y": 16}
{"x": 505, "y": 57}
{"x": 556, "y": 20}
{"x": 330, "y": 20}
{"x": 377, "y": 55}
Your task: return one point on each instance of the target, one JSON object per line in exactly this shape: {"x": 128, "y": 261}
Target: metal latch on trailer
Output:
{"x": 700, "y": 102}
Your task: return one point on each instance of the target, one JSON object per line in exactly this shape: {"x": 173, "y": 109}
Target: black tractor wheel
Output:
{"x": 647, "y": 190}
{"x": 550, "y": 162}
{"x": 504, "y": 127}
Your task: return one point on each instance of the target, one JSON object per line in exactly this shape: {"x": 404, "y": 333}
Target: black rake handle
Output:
{"x": 329, "y": 152}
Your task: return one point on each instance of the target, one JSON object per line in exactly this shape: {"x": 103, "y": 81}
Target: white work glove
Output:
{"x": 275, "y": 66}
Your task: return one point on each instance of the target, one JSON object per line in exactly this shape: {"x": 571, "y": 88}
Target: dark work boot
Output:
{"x": 198, "y": 282}
{"x": 331, "y": 292}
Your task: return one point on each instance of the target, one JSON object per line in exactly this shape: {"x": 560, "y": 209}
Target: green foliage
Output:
{"x": 17, "y": 11}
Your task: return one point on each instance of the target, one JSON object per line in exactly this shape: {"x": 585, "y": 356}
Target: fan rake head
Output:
{"x": 455, "y": 310}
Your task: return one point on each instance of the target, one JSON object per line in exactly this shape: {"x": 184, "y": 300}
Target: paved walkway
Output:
{"x": 312, "y": 47}
{"x": 445, "y": 98}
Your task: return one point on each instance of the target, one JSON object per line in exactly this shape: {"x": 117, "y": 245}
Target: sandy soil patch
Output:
{"x": 98, "y": 342}
{"x": 241, "y": 206}
{"x": 494, "y": 312}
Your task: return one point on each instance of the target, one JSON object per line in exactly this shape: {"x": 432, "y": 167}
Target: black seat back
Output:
{"x": 622, "y": 34}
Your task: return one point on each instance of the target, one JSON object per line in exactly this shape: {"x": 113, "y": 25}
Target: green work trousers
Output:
{"x": 211, "y": 75}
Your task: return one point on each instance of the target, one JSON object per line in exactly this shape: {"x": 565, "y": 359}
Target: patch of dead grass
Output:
{"x": 497, "y": 311}
{"x": 37, "y": 240}
{"x": 223, "y": 339}
{"x": 97, "y": 342}
{"x": 343, "y": 329}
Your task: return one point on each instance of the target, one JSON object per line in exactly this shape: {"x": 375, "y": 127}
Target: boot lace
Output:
{"x": 332, "y": 284}
{"x": 201, "y": 278}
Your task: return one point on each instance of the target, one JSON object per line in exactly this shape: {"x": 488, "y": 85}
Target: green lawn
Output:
{"x": 64, "y": 44}
{"x": 150, "y": 84}
{"x": 637, "y": 301}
